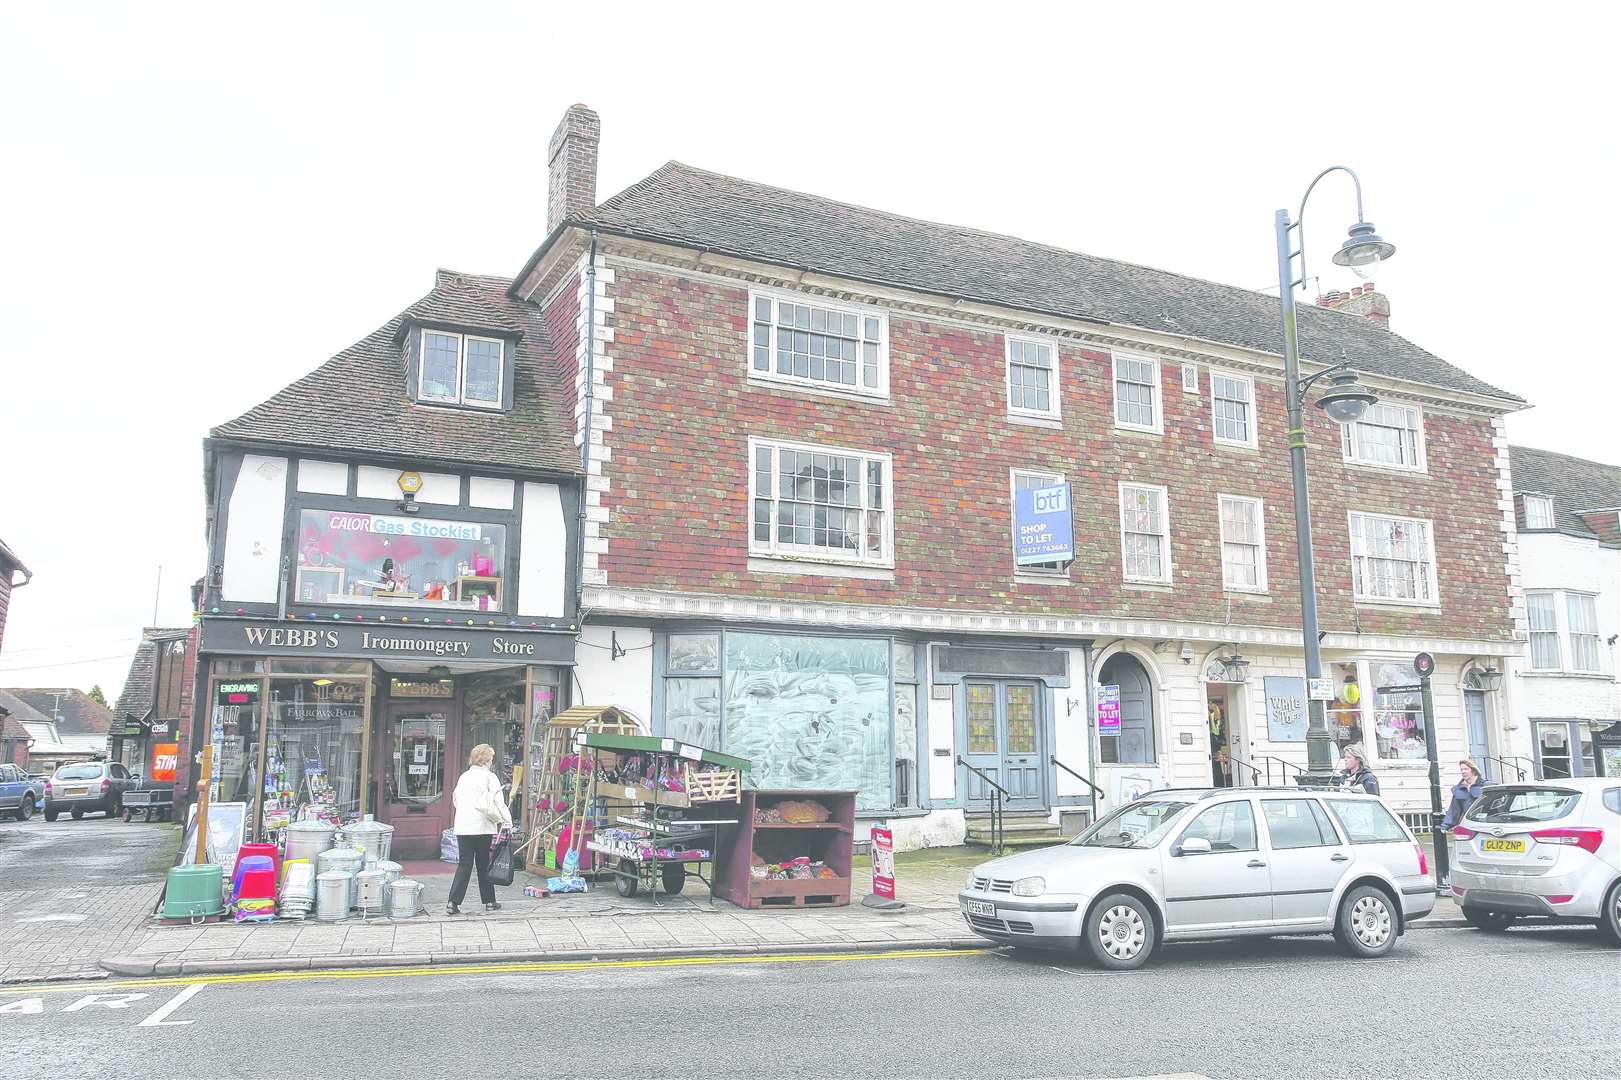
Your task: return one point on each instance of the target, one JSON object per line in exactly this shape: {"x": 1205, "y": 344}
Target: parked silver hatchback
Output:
{"x": 1546, "y": 848}
{"x": 1201, "y": 863}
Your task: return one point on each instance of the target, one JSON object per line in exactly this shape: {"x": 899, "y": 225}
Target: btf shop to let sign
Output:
{"x": 1042, "y": 531}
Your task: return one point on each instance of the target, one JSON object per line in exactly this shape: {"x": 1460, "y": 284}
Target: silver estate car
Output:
{"x": 1546, "y": 848}
{"x": 1201, "y": 863}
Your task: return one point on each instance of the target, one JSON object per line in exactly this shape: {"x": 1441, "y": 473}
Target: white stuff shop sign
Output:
{"x": 258, "y": 638}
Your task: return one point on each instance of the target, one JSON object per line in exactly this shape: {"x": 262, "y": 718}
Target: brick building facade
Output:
{"x": 803, "y": 425}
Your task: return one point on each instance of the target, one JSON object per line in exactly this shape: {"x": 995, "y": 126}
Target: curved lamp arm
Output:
{"x": 1300, "y": 215}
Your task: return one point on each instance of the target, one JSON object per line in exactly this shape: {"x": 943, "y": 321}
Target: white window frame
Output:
{"x": 1350, "y": 451}
{"x": 460, "y": 396}
{"x": 1013, "y": 539}
{"x": 1260, "y": 525}
{"x": 1555, "y": 599}
{"x": 774, "y": 549}
{"x": 1571, "y": 634}
{"x": 1543, "y": 501}
{"x": 1165, "y": 537}
{"x": 1158, "y": 426}
{"x": 1252, "y": 442}
{"x": 1053, "y": 413}
{"x": 1190, "y": 378}
{"x": 1362, "y": 597}
{"x": 821, "y": 386}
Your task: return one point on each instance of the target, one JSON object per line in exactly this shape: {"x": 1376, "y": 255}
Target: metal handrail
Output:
{"x": 1286, "y": 766}
{"x": 1255, "y": 772}
{"x": 998, "y": 793}
{"x": 1095, "y": 789}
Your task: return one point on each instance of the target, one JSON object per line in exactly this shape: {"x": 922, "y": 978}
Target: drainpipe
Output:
{"x": 1091, "y": 734}
{"x": 585, "y": 442}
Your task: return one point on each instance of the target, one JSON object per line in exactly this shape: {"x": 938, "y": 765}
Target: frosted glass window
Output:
{"x": 692, "y": 711}
{"x": 812, "y": 712}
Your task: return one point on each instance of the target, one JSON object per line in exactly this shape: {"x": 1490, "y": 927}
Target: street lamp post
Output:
{"x": 1345, "y": 403}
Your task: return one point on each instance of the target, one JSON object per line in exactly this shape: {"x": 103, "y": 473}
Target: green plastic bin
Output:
{"x": 194, "y": 891}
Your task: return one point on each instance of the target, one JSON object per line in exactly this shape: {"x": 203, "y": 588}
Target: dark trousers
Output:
{"x": 474, "y": 852}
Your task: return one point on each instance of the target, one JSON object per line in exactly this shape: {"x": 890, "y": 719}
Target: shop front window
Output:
{"x": 1398, "y": 715}
{"x": 416, "y": 769}
{"x": 1345, "y": 711}
{"x": 493, "y": 715}
{"x": 314, "y": 746}
{"x": 812, "y": 712}
{"x": 906, "y": 691}
{"x": 354, "y": 557}
{"x": 234, "y": 733}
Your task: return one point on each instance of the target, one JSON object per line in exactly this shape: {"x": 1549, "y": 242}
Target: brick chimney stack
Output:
{"x": 1361, "y": 300}
{"x": 571, "y": 165}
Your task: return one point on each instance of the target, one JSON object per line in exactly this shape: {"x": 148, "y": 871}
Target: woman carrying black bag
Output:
{"x": 481, "y": 815}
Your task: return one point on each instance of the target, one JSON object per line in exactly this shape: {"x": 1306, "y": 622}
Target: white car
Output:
{"x": 1201, "y": 863}
{"x": 1550, "y": 848}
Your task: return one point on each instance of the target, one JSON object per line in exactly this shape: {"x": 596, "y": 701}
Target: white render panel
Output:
{"x": 441, "y": 489}
{"x": 543, "y": 560}
{"x": 323, "y": 477}
{"x": 490, "y": 492}
{"x": 1071, "y": 732}
{"x": 252, "y": 560}
{"x": 942, "y": 735}
{"x": 626, "y": 682}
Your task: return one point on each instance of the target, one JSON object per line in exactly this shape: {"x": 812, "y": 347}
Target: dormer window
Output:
{"x": 461, "y": 369}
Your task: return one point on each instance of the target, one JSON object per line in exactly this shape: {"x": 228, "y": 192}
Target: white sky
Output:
{"x": 201, "y": 203}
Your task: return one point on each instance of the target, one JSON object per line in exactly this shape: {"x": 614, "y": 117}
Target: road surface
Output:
{"x": 90, "y": 853}
{"x": 1446, "y": 1004}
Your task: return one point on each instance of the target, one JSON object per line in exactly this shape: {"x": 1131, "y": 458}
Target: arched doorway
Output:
{"x": 1135, "y": 743}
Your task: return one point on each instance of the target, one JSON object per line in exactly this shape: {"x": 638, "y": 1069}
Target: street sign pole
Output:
{"x": 1424, "y": 664}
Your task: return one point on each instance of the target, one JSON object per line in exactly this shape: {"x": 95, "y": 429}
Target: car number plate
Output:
{"x": 980, "y": 907}
{"x": 1515, "y": 846}
{"x": 75, "y": 793}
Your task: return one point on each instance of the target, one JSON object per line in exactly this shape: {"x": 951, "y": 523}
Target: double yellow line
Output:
{"x": 533, "y": 967}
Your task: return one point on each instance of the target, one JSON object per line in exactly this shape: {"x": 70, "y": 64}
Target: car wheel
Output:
{"x": 26, "y": 810}
{"x": 1366, "y": 925}
{"x": 1120, "y": 933}
{"x": 77, "y": 813}
{"x": 1609, "y": 920}
{"x": 1492, "y": 921}
{"x": 50, "y": 815}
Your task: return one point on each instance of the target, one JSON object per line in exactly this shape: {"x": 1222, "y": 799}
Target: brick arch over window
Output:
{"x": 1135, "y": 743}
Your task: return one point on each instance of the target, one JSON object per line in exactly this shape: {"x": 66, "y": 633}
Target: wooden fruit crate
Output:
{"x": 711, "y": 785}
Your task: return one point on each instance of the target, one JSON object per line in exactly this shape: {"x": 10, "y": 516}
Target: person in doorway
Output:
{"x": 1357, "y": 773}
{"x": 1464, "y": 793}
{"x": 481, "y": 811}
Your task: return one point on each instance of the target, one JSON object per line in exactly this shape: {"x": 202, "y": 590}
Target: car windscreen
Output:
{"x": 1141, "y": 824}
{"x": 78, "y": 772}
{"x": 1521, "y": 805}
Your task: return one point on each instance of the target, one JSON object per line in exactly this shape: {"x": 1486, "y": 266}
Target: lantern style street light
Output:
{"x": 1345, "y": 403}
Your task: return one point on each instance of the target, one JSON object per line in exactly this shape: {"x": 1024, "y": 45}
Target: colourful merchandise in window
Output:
{"x": 351, "y": 557}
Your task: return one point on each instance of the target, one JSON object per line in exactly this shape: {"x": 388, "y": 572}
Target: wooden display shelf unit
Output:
{"x": 827, "y": 842}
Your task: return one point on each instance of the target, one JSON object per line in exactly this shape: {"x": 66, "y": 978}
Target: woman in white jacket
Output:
{"x": 481, "y": 810}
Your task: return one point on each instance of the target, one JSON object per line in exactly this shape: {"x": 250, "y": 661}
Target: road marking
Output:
{"x": 111, "y": 1001}
{"x": 537, "y": 966}
{"x": 161, "y": 1017}
{"x": 29, "y": 1006}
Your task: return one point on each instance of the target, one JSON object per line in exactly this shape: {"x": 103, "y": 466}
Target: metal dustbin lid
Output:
{"x": 392, "y": 871}
{"x": 347, "y": 860}
{"x": 365, "y": 828}
{"x": 311, "y": 828}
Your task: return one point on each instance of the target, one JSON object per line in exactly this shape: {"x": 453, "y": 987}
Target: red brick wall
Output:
{"x": 560, "y": 324}
{"x": 683, "y": 410}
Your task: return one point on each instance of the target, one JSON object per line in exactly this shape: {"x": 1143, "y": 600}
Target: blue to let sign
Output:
{"x": 1042, "y": 530}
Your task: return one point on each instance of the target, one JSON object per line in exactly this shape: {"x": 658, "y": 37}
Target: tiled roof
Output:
{"x": 21, "y": 710}
{"x": 691, "y": 207}
{"x": 357, "y": 400}
{"x": 12, "y": 728}
{"x": 1574, "y": 484}
{"x": 80, "y": 714}
{"x": 136, "y": 698}
{"x": 9, "y": 560}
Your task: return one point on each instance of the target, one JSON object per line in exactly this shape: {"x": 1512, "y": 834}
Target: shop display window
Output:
{"x": 416, "y": 772}
{"x": 1345, "y": 711}
{"x": 1398, "y": 717}
{"x": 314, "y": 732}
{"x": 234, "y": 723}
{"x": 492, "y": 713}
{"x": 354, "y": 557}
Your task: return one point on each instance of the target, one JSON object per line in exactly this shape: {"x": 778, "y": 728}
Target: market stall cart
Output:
{"x": 668, "y": 829}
